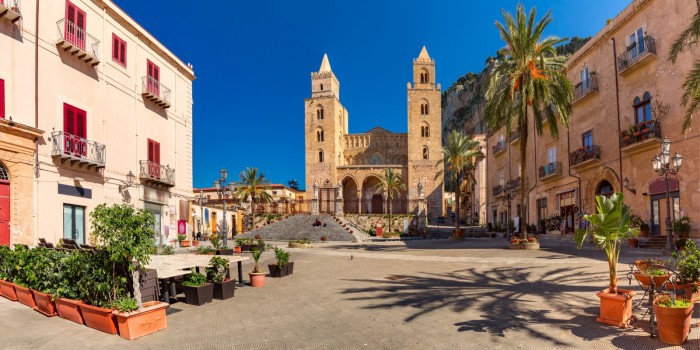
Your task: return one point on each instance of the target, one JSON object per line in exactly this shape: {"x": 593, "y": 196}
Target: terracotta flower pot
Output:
{"x": 146, "y": 320}
{"x": 185, "y": 243}
{"x": 615, "y": 309}
{"x": 44, "y": 304}
{"x": 195, "y": 243}
{"x": 645, "y": 279}
{"x": 644, "y": 265}
{"x": 673, "y": 323}
{"x": 685, "y": 291}
{"x": 7, "y": 289}
{"x": 99, "y": 318}
{"x": 238, "y": 249}
{"x": 69, "y": 309}
{"x": 25, "y": 296}
{"x": 257, "y": 279}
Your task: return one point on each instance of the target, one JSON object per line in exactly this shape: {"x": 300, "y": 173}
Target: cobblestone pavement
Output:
{"x": 471, "y": 294}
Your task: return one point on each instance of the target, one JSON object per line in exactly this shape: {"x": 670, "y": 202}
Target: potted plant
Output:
{"x": 47, "y": 277}
{"x": 195, "y": 243}
{"x": 283, "y": 267}
{"x": 687, "y": 263}
{"x": 682, "y": 227}
{"x": 218, "y": 245}
{"x": 257, "y": 278}
{"x": 197, "y": 290}
{"x": 682, "y": 243}
{"x": 68, "y": 295}
{"x": 205, "y": 250}
{"x": 609, "y": 227}
{"x": 135, "y": 322}
{"x": 23, "y": 275}
{"x": 658, "y": 275}
{"x": 644, "y": 230}
{"x": 673, "y": 318}
{"x": 184, "y": 242}
{"x": 7, "y": 264}
{"x": 224, "y": 287}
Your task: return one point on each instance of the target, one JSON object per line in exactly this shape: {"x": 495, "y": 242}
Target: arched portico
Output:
{"x": 373, "y": 202}
{"x": 351, "y": 200}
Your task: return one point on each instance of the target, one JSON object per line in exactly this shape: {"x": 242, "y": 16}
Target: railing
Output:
{"x": 585, "y": 87}
{"x": 514, "y": 136}
{"x": 640, "y": 132}
{"x": 514, "y": 184}
{"x": 79, "y": 148}
{"x": 76, "y": 36}
{"x": 157, "y": 172}
{"x": 14, "y": 5}
{"x": 584, "y": 154}
{"x": 550, "y": 170}
{"x": 636, "y": 52}
{"x": 497, "y": 190}
{"x": 154, "y": 87}
{"x": 499, "y": 147}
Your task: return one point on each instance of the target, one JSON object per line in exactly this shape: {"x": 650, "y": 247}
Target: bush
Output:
{"x": 218, "y": 269}
{"x": 195, "y": 279}
{"x": 282, "y": 256}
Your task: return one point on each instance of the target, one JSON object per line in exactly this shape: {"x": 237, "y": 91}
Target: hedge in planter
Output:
{"x": 7, "y": 264}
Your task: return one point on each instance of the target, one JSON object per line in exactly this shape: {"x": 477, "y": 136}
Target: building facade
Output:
{"x": 627, "y": 99}
{"x": 343, "y": 169}
{"x": 100, "y": 112}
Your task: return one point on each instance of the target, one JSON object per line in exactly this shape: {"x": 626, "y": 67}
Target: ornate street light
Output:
{"x": 201, "y": 200}
{"x": 664, "y": 166}
{"x": 224, "y": 190}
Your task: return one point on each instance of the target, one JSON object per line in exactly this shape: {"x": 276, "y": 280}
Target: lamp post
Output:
{"x": 223, "y": 190}
{"x": 201, "y": 200}
{"x": 663, "y": 165}
{"x": 509, "y": 193}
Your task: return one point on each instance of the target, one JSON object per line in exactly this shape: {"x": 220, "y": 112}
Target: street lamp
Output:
{"x": 662, "y": 165}
{"x": 223, "y": 190}
{"x": 201, "y": 200}
{"x": 509, "y": 193}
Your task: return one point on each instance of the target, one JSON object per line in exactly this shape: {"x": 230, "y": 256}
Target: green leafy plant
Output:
{"x": 682, "y": 226}
{"x": 687, "y": 262}
{"x": 70, "y": 270}
{"x": 166, "y": 249}
{"x": 666, "y": 300}
{"x": 7, "y": 263}
{"x": 609, "y": 228}
{"x": 216, "y": 241}
{"x": 181, "y": 237}
{"x": 125, "y": 304}
{"x": 256, "y": 253}
{"x": 282, "y": 256}
{"x": 218, "y": 269}
{"x": 204, "y": 250}
{"x": 97, "y": 281}
{"x": 195, "y": 279}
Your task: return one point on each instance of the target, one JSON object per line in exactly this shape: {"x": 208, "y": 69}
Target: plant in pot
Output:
{"x": 224, "y": 287}
{"x": 682, "y": 227}
{"x": 687, "y": 263}
{"x": 673, "y": 318}
{"x": 197, "y": 290}
{"x": 217, "y": 242}
{"x": 134, "y": 321}
{"x": 635, "y": 222}
{"x": 609, "y": 228}
{"x": 24, "y": 275}
{"x": 257, "y": 278}
{"x": 195, "y": 243}
{"x": 46, "y": 280}
{"x": 237, "y": 248}
{"x": 283, "y": 267}
{"x": 7, "y": 264}
{"x": 184, "y": 242}
{"x": 68, "y": 294}
{"x": 656, "y": 275}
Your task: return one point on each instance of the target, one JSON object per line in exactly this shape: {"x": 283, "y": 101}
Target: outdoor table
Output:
{"x": 169, "y": 282}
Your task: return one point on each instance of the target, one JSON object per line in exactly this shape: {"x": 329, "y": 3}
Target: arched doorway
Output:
{"x": 377, "y": 204}
{"x": 604, "y": 188}
{"x": 659, "y": 213}
{"x": 372, "y": 202}
{"x": 4, "y": 205}
{"x": 351, "y": 204}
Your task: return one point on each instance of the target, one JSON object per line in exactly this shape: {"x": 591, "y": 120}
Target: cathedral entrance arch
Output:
{"x": 372, "y": 202}
{"x": 326, "y": 197}
{"x": 377, "y": 204}
{"x": 351, "y": 203}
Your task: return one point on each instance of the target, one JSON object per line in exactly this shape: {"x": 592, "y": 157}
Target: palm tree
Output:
{"x": 252, "y": 185}
{"x": 293, "y": 184}
{"x": 529, "y": 78}
{"x": 393, "y": 185}
{"x": 691, "y": 86}
{"x": 460, "y": 156}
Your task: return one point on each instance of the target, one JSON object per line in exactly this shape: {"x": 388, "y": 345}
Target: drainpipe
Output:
{"x": 36, "y": 124}
{"x": 568, "y": 152}
{"x": 617, "y": 101}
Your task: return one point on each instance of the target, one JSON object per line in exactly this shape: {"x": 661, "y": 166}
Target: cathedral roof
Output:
{"x": 424, "y": 55}
{"x": 325, "y": 65}
{"x": 379, "y": 130}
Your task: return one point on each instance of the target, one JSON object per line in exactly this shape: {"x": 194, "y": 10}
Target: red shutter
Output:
{"x": 150, "y": 150}
{"x": 115, "y": 47}
{"x": 75, "y": 25}
{"x": 122, "y": 52}
{"x": 2, "y": 98}
{"x": 156, "y": 152}
{"x": 68, "y": 119}
{"x": 80, "y": 123}
{"x": 153, "y": 78}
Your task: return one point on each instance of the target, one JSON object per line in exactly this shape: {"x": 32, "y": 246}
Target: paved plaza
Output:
{"x": 437, "y": 294}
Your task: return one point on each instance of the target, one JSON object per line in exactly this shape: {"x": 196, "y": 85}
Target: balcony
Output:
{"x": 636, "y": 55}
{"x": 514, "y": 137}
{"x": 584, "y": 157}
{"x": 10, "y": 10}
{"x": 153, "y": 90}
{"x": 156, "y": 175}
{"x": 76, "y": 149}
{"x": 641, "y": 137}
{"x": 73, "y": 39}
{"x": 497, "y": 191}
{"x": 549, "y": 171}
{"x": 514, "y": 184}
{"x": 585, "y": 88}
{"x": 499, "y": 148}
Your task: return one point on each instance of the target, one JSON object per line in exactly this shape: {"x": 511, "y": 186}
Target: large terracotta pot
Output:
{"x": 99, "y": 318}
{"x": 146, "y": 320}
{"x": 685, "y": 291}
{"x": 185, "y": 243}
{"x": 643, "y": 265}
{"x": 7, "y": 289}
{"x": 673, "y": 324}
{"x": 237, "y": 249}
{"x": 615, "y": 309}
{"x": 257, "y": 279}
{"x": 44, "y": 304}
{"x": 25, "y": 296}
{"x": 69, "y": 309}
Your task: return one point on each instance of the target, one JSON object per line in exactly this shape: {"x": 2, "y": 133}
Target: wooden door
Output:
{"x": 75, "y": 26}
{"x": 5, "y": 213}
{"x": 153, "y": 78}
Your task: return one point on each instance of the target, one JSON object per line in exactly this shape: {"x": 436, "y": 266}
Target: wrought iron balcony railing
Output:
{"x": 497, "y": 190}
{"x": 515, "y": 136}
{"x": 584, "y": 154}
{"x": 635, "y": 53}
{"x": 585, "y": 88}
{"x": 157, "y": 173}
{"x": 11, "y": 10}
{"x": 549, "y": 170}
{"x": 640, "y": 132}
{"x": 78, "y": 149}
{"x": 514, "y": 184}
{"x": 499, "y": 147}
{"x": 155, "y": 91}
{"x": 76, "y": 40}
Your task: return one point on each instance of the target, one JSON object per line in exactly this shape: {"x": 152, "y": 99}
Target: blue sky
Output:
{"x": 252, "y": 60}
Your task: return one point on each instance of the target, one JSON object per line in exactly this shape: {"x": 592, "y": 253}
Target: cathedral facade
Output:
{"x": 343, "y": 169}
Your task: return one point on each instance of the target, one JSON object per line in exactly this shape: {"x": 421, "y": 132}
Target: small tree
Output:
{"x": 393, "y": 185}
{"x": 609, "y": 228}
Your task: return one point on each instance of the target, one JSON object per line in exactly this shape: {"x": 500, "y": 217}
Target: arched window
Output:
{"x": 604, "y": 188}
{"x": 424, "y": 76}
{"x": 642, "y": 108}
{"x": 4, "y": 174}
{"x": 424, "y": 108}
{"x": 376, "y": 159}
{"x": 319, "y": 135}
{"x": 320, "y": 156}
{"x": 321, "y": 87}
{"x": 425, "y": 130}
{"x": 319, "y": 112}
{"x": 425, "y": 152}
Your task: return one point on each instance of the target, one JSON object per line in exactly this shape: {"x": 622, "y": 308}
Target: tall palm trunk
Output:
{"x": 523, "y": 173}
{"x": 457, "y": 196}
{"x": 388, "y": 206}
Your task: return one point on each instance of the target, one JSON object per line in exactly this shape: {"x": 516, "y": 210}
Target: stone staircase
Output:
{"x": 300, "y": 226}
{"x": 359, "y": 234}
{"x": 655, "y": 242}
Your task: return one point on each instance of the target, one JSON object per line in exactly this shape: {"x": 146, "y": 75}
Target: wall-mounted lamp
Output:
{"x": 626, "y": 184}
{"x": 130, "y": 182}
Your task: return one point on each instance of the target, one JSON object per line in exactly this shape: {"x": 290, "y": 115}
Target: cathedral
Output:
{"x": 343, "y": 169}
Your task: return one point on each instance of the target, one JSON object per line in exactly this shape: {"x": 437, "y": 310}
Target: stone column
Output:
{"x": 359, "y": 201}
{"x": 339, "y": 200}
{"x": 314, "y": 201}
{"x": 421, "y": 207}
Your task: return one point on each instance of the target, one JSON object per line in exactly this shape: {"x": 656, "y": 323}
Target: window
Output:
{"x": 424, "y": 76}
{"x": 585, "y": 78}
{"x": 153, "y": 78}
{"x": 604, "y": 188}
{"x": 424, "y": 130}
{"x": 74, "y": 223}
{"x": 319, "y": 135}
{"x": 75, "y": 130}
{"x": 637, "y": 42}
{"x": 321, "y": 87}
{"x": 424, "y": 108}
{"x": 642, "y": 108}
{"x": 118, "y": 50}
{"x": 541, "y": 209}
{"x": 425, "y": 152}
{"x": 588, "y": 140}
{"x": 2, "y": 99}
{"x": 274, "y": 192}
{"x": 153, "y": 159}
{"x": 320, "y": 156}
{"x": 501, "y": 178}
{"x": 319, "y": 112}
{"x": 552, "y": 155}
{"x": 75, "y": 26}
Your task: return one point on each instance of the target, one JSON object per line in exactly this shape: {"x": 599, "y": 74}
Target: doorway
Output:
{"x": 157, "y": 213}
{"x": 74, "y": 223}
{"x": 377, "y": 204}
{"x": 659, "y": 214}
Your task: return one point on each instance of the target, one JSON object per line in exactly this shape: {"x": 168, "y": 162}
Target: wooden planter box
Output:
{"x": 44, "y": 304}
{"x": 146, "y": 320}
{"x": 25, "y": 296}
{"x": 224, "y": 290}
{"x": 69, "y": 309}
{"x": 199, "y": 295}
{"x": 99, "y": 318}
{"x": 7, "y": 290}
